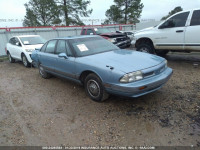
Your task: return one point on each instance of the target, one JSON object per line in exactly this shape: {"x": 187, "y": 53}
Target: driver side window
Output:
{"x": 178, "y": 20}
{"x": 17, "y": 42}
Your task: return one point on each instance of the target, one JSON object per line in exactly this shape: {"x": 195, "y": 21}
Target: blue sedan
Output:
{"x": 101, "y": 66}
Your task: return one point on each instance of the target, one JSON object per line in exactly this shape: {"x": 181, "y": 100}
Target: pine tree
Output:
{"x": 71, "y": 10}
{"x": 41, "y": 13}
{"x": 125, "y": 11}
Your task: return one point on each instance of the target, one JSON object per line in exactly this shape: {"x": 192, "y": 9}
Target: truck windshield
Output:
{"x": 101, "y": 30}
{"x": 32, "y": 40}
{"x": 91, "y": 45}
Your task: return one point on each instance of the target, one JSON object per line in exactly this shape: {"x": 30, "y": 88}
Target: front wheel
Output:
{"x": 94, "y": 88}
{"x": 25, "y": 61}
{"x": 43, "y": 73}
{"x": 146, "y": 48}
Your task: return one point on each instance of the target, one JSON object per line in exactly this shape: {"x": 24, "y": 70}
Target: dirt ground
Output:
{"x": 57, "y": 112}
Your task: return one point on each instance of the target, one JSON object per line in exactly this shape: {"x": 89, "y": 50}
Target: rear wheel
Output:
{"x": 146, "y": 48}
{"x": 11, "y": 60}
{"x": 25, "y": 61}
{"x": 43, "y": 73}
{"x": 94, "y": 88}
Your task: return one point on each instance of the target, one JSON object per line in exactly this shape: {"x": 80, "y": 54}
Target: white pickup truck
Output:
{"x": 180, "y": 32}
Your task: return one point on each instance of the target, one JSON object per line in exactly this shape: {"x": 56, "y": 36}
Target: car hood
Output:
{"x": 146, "y": 29}
{"x": 113, "y": 34}
{"x": 33, "y": 46}
{"x": 124, "y": 60}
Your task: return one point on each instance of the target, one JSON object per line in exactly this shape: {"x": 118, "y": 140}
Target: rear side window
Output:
{"x": 12, "y": 41}
{"x": 61, "y": 47}
{"x": 51, "y": 47}
{"x": 195, "y": 18}
{"x": 69, "y": 52}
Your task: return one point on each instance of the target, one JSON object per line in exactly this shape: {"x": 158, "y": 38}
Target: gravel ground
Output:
{"x": 55, "y": 112}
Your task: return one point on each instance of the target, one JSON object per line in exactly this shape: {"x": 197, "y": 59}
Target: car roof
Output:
{"x": 188, "y": 10}
{"x": 76, "y": 37}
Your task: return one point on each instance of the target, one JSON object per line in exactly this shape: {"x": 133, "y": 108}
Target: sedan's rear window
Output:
{"x": 91, "y": 46}
{"x": 32, "y": 40}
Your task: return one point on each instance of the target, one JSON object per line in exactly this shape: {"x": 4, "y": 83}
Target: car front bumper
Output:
{"x": 123, "y": 44}
{"x": 28, "y": 56}
{"x": 135, "y": 89}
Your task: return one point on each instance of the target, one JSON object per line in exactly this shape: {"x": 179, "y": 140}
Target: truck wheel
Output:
{"x": 11, "y": 60}
{"x": 146, "y": 48}
{"x": 94, "y": 88}
{"x": 162, "y": 53}
{"x": 25, "y": 61}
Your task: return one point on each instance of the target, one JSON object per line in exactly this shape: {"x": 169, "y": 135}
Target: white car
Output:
{"x": 21, "y": 48}
{"x": 179, "y": 33}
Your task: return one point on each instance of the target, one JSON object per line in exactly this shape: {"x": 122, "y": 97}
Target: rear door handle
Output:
{"x": 178, "y": 31}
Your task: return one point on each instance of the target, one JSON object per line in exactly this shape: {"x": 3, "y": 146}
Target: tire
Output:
{"x": 43, "y": 73}
{"x": 11, "y": 60}
{"x": 94, "y": 88}
{"x": 162, "y": 53}
{"x": 25, "y": 61}
{"x": 146, "y": 48}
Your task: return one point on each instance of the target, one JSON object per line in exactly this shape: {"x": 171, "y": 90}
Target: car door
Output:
{"x": 170, "y": 34}
{"x": 47, "y": 56}
{"x": 17, "y": 48}
{"x": 65, "y": 66}
{"x": 192, "y": 40}
{"x": 11, "y": 46}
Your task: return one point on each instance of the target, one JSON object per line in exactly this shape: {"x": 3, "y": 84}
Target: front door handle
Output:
{"x": 178, "y": 31}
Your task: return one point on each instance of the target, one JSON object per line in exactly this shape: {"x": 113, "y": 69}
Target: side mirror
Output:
{"x": 63, "y": 55}
{"x": 91, "y": 33}
{"x": 17, "y": 44}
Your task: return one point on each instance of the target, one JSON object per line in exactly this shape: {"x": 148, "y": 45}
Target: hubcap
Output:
{"x": 93, "y": 88}
{"x": 24, "y": 60}
{"x": 144, "y": 49}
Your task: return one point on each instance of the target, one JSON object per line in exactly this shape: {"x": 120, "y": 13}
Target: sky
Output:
{"x": 12, "y": 12}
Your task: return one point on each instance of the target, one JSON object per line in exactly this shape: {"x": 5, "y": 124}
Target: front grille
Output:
{"x": 155, "y": 72}
{"x": 161, "y": 69}
{"x": 149, "y": 74}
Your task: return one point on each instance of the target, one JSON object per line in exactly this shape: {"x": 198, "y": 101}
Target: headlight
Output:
{"x": 131, "y": 77}
{"x": 113, "y": 40}
{"x": 29, "y": 50}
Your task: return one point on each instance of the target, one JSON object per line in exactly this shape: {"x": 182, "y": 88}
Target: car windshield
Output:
{"x": 101, "y": 30}
{"x": 34, "y": 40}
{"x": 91, "y": 46}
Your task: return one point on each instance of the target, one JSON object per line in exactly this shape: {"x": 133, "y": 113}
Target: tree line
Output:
{"x": 69, "y": 12}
